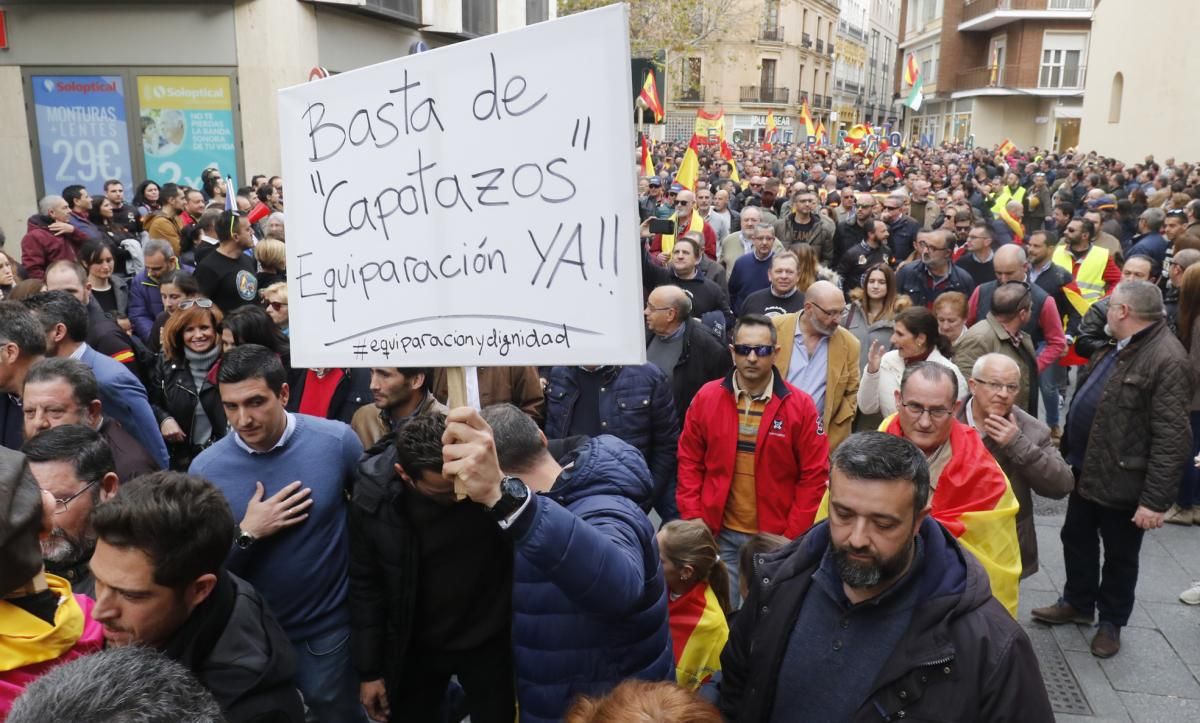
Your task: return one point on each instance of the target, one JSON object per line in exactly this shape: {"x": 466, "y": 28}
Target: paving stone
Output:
{"x": 1161, "y": 708}
{"x": 1180, "y": 625}
{"x": 1148, "y": 664}
{"x": 1105, "y": 703}
{"x": 1039, "y": 581}
{"x": 1160, "y": 579}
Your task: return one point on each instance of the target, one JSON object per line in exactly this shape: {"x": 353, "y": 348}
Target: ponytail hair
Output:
{"x": 689, "y": 542}
{"x": 918, "y": 320}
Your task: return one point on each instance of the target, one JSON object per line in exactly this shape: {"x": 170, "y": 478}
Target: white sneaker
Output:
{"x": 1191, "y": 596}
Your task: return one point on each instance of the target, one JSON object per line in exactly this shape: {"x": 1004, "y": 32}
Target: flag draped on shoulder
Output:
{"x": 649, "y": 96}
{"x": 689, "y": 167}
{"x": 647, "y": 161}
{"x": 698, "y": 635}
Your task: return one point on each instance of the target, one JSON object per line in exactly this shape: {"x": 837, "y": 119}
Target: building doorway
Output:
{"x": 1066, "y": 134}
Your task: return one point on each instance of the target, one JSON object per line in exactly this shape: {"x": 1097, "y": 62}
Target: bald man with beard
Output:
{"x": 819, "y": 357}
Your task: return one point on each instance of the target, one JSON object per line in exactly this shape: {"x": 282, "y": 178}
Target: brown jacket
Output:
{"x": 158, "y": 225}
{"x": 1140, "y": 440}
{"x": 1032, "y": 464}
{"x": 841, "y": 377}
{"x": 987, "y": 336}
{"x": 371, "y": 426}
{"x": 519, "y": 386}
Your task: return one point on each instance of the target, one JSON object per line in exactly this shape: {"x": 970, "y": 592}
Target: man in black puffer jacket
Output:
{"x": 430, "y": 585}
{"x": 877, "y": 613}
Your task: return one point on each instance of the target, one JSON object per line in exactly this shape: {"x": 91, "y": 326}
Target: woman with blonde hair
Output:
{"x": 698, "y": 599}
{"x": 275, "y": 301}
{"x": 810, "y": 270}
{"x": 184, "y": 393}
{"x": 640, "y": 701}
{"x": 271, "y": 255}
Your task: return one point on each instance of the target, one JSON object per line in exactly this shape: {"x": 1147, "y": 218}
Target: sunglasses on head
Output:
{"x": 189, "y": 303}
{"x": 760, "y": 350}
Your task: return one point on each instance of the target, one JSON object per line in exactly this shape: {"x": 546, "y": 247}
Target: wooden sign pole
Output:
{"x": 462, "y": 391}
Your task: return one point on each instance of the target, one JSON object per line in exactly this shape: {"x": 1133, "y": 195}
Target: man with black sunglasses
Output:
{"x": 753, "y": 456}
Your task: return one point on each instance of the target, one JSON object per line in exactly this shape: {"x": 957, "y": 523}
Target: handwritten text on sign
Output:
{"x": 472, "y": 205}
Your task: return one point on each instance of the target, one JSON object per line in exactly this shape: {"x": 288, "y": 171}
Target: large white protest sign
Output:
{"x": 472, "y": 205}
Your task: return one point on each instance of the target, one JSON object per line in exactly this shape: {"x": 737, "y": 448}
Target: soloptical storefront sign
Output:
{"x": 186, "y": 126}
{"x": 82, "y": 133}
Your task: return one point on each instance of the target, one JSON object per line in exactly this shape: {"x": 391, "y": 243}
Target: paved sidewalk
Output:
{"x": 1156, "y": 676}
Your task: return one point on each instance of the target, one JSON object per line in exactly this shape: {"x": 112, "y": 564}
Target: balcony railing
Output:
{"x": 827, "y": 103}
{"x": 1045, "y": 77}
{"x": 820, "y": 47}
{"x": 763, "y": 94}
{"x": 979, "y": 8}
{"x": 830, "y": 49}
{"x": 805, "y": 40}
{"x": 771, "y": 34}
{"x": 689, "y": 95}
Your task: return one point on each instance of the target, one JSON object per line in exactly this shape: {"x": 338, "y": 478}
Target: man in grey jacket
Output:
{"x": 1020, "y": 443}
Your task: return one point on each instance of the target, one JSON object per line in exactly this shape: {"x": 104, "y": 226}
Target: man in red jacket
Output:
{"x": 753, "y": 456}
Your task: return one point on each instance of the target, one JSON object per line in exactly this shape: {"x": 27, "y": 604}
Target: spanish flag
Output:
{"x": 728, "y": 156}
{"x": 857, "y": 134}
{"x": 911, "y": 71}
{"x": 975, "y": 502}
{"x": 1006, "y": 148}
{"x": 689, "y": 167}
{"x": 806, "y": 119}
{"x": 822, "y": 136}
{"x": 770, "y": 137}
{"x": 698, "y": 635}
{"x": 649, "y": 96}
{"x": 647, "y": 161}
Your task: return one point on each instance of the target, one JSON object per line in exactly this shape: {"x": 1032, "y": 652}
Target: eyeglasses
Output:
{"x": 930, "y": 247}
{"x": 998, "y": 387}
{"x": 681, "y": 203}
{"x": 761, "y": 350}
{"x": 825, "y": 311}
{"x": 276, "y": 305}
{"x": 189, "y": 303}
{"x": 937, "y": 414}
{"x": 60, "y": 505}
{"x": 658, "y": 308}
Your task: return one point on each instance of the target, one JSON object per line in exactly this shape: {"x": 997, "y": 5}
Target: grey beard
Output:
{"x": 62, "y": 550}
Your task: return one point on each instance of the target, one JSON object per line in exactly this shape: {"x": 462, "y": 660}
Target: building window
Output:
{"x": 403, "y": 9}
{"x": 692, "y": 79}
{"x": 479, "y": 17}
{"x": 1062, "y": 57}
{"x": 536, "y": 11}
{"x": 771, "y": 14}
{"x": 767, "y": 78}
{"x": 1115, "y": 98}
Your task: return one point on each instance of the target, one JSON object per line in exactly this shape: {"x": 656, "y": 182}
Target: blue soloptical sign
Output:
{"x": 82, "y": 133}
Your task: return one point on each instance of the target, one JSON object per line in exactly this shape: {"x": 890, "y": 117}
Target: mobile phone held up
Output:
{"x": 664, "y": 226}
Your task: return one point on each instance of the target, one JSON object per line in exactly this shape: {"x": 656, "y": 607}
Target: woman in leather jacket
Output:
{"x": 184, "y": 391}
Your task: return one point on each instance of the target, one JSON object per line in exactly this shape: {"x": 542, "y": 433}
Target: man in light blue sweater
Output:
{"x": 285, "y": 476}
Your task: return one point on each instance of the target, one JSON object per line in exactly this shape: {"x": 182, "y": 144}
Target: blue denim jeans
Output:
{"x": 730, "y": 544}
{"x": 1050, "y": 383}
{"x": 326, "y": 677}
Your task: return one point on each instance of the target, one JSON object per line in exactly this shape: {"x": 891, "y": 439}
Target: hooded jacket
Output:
{"x": 30, "y": 646}
{"x": 963, "y": 658}
{"x": 236, "y": 649}
{"x": 589, "y": 598}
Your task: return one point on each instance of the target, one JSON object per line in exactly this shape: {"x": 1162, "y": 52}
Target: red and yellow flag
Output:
{"x": 647, "y": 161}
{"x": 769, "y": 138}
{"x": 911, "y": 71}
{"x": 974, "y": 501}
{"x": 856, "y": 134}
{"x": 649, "y": 96}
{"x": 689, "y": 167}
{"x": 821, "y": 134}
{"x": 806, "y": 119}
{"x": 698, "y": 635}
{"x": 728, "y": 156}
{"x": 1006, "y": 148}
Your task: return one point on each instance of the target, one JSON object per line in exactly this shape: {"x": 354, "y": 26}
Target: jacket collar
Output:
{"x": 779, "y": 388}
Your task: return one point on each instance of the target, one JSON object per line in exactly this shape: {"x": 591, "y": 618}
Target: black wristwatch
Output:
{"x": 244, "y": 539}
{"x": 513, "y": 494}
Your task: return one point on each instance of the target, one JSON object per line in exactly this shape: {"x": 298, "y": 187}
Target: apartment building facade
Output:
{"x": 865, "y": 63}
{"x": 997, "y": 69}
{"x": 769, "y": 58}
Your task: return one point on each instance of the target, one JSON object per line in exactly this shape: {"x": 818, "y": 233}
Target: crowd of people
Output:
{"x": 814, "y": 501}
